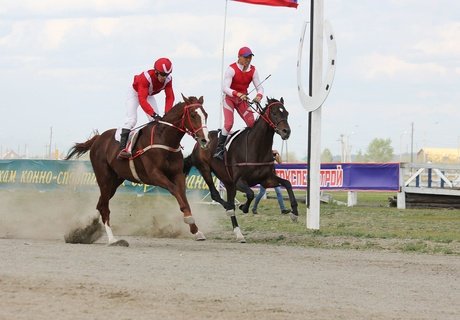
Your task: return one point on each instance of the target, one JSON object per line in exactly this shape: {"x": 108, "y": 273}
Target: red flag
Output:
{"x": 275, "y": 3}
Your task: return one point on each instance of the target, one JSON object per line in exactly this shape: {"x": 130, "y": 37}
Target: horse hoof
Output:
{"x": 239, "y": 236}
{"x": 189, "y": 220}
{"x": 199, "y": 236}
{"x": 119, "y": 243}
{"x": 294, "y": 218}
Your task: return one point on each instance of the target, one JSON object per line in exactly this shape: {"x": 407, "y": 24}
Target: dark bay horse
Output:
{"x": 157, "y": 159}
{"x": 247, "y": 162}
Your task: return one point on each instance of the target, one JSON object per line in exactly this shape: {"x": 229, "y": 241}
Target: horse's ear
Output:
{"x": 185, "y": 99}
{"x": 201, "y": 100}
{"x": 282, "y": 100}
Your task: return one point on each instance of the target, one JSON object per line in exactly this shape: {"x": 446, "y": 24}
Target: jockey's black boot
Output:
{"x": 124, "y": 153}
{"x": 219, "y": 154}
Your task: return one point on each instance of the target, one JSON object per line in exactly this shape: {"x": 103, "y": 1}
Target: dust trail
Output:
{"x": 50, "y": 215}
{"x": 42, "y": 215}
{"x": 160, "y": 216}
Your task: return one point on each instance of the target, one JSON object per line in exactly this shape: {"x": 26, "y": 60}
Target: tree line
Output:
{"x": 378, "y": 150}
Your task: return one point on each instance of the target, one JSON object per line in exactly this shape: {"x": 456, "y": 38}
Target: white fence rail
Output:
{"x": 428, "y": 179}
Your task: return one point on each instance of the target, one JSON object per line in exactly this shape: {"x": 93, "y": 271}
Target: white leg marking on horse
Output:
{"x": 109, "y": 232}
{"x": 189, "y": 220}
{"x": 199, "y": 236}
{"x": 230, "y": 213}
{"x": 239, "y": 235}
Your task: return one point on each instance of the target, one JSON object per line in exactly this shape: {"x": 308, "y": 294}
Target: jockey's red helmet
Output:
{"x": 163, "y": 65}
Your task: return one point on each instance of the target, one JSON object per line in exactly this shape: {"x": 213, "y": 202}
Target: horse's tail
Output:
{"x": 188, "y": 164}
{"x": 81, "y": 148}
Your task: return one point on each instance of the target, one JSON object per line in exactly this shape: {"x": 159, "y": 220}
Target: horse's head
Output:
{"x": 276, "y": 115}
{"x": 194, "y": 120}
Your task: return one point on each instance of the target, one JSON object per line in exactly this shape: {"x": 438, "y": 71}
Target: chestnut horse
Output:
{"x": 247, "y": 162}
{"x": 157, "y": 159}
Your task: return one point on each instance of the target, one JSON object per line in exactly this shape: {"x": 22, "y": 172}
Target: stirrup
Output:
{"x": 124, "y": 154}
{"x": 219, "y": 155}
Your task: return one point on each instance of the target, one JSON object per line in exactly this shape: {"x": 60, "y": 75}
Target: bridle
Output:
{"x": 182, "y": 127}
{"x": 187, "y": 117}
{"x": 265, "y": 115}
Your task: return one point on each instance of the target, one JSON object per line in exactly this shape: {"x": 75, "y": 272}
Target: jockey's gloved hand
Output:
{"x": 257, "y": 99}
{"x": 242, "y": 96}
{"x": 156, "y": 117}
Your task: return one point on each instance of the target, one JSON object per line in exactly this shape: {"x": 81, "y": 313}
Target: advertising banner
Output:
{"x": 46, "y": 175}
{"x": 345, "y": 176}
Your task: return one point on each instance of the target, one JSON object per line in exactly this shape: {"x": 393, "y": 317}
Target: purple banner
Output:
{"x": 345, "y": 176}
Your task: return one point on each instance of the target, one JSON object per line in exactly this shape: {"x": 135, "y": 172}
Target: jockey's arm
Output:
{"x": 142, "y": 95}
{"x": 169, "y": 97}
{"x": 258, "y": 86}
{"x": 228, "y": 77}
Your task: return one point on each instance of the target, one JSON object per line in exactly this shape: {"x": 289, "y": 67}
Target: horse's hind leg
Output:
{"x": 207, "y": 176}
{"x": 108, "y": 187}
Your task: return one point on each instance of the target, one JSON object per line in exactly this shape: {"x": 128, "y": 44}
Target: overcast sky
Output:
{"x": 69, "y": 64}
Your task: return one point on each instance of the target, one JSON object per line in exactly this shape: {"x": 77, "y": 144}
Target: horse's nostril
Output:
{"x": 286, "y": 132}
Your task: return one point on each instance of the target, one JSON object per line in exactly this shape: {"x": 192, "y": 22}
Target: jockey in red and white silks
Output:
{"x": 144, "y": 88}
{"x": 237, "y": 79}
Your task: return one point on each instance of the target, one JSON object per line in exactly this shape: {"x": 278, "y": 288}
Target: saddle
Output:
{"x": 133, "y": 136}
{"x": 231, "y": 137}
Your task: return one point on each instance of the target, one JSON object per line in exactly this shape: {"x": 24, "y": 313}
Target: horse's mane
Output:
{"x": 175, "y": 111}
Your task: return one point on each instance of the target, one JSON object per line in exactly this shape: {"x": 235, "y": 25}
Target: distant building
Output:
{"x": 11, "y": 155}
{"x": 438, "y": 155}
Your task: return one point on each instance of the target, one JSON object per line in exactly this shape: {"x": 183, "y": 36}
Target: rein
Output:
{"x": 264, "y": 115}
{"x": 186, "y": 116}
{"x": 274, "y": 126}
{"x": 182, "y": 128}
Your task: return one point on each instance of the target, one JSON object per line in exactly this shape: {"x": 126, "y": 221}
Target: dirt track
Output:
{"x": 177, "y": 278}
{"x": 184, "y": 279}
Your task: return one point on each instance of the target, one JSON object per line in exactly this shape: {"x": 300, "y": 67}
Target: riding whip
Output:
{"x": 255, "y": 87}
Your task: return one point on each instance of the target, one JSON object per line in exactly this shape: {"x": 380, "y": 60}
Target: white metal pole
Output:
{"x": 314, "y": 117}
{"x": 222, "y": 67}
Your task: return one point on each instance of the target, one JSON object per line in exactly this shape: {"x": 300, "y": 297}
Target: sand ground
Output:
{"x": 161, "y": 278}
{"x": 164, "y": 274}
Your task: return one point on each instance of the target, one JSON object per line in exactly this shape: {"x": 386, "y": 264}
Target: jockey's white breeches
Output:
{"x": 132, "y": 103}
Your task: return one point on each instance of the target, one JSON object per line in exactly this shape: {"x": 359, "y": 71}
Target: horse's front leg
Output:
{"x": 244, "y": 187}
{"x": 287, "y": 185}
{"x": 231, "y": 193}
{"x": 177, "y": 188}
